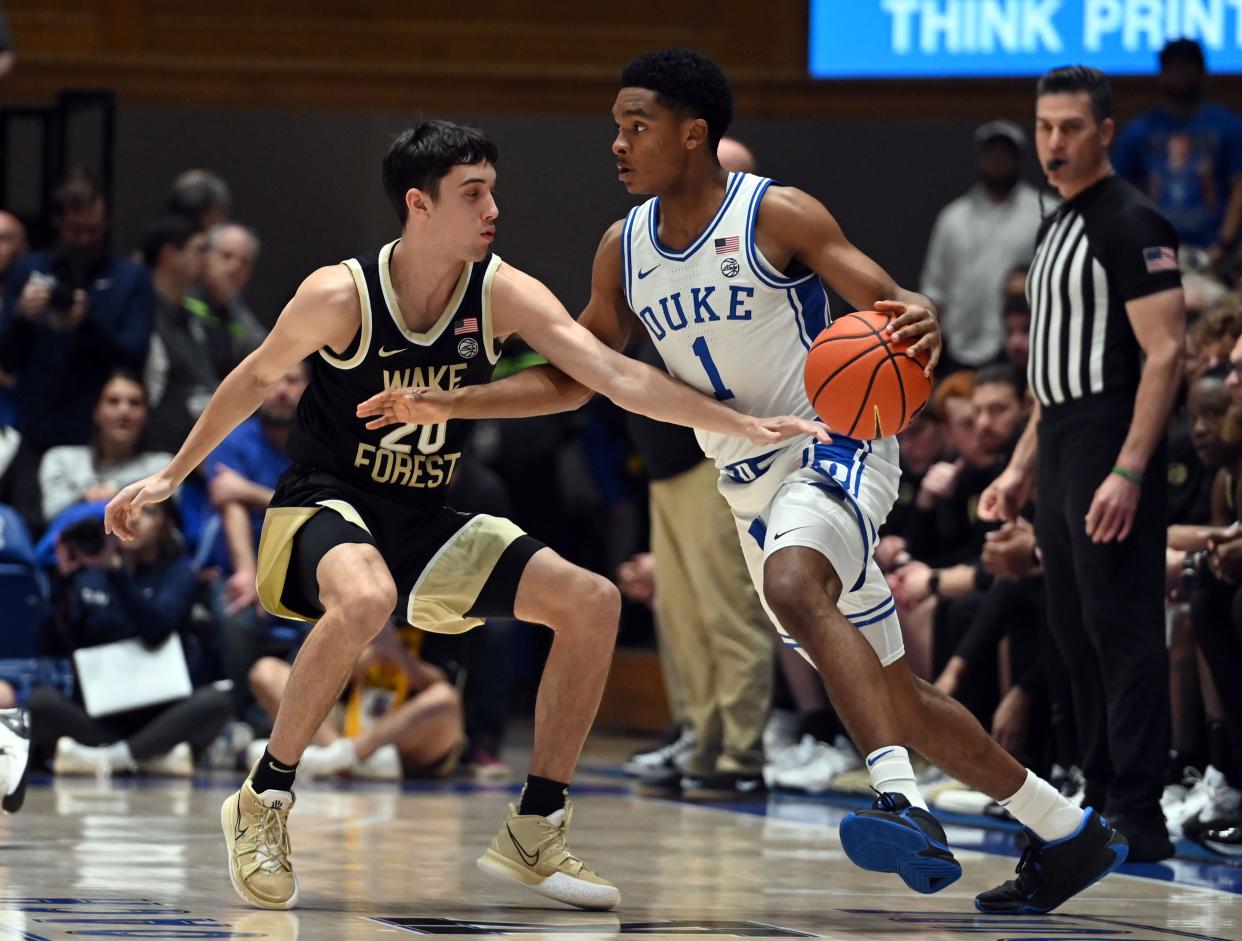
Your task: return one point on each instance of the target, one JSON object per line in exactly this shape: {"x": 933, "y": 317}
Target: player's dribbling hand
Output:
{"x": 784, "y": 427}
{"x": 126, "y": 505}
{"x": 916, "y": 325}
{"x": 407, "y": 406}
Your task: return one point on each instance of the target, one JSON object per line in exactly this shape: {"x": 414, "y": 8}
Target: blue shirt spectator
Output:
{"x": 1186, "y": 154}
{"x": 70, "y": 317}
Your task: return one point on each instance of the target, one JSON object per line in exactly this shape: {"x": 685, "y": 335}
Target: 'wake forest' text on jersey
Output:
{"x": 403, "y": 461}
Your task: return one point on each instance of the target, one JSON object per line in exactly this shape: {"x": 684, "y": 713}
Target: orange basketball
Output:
{"x": 861, "y": 383}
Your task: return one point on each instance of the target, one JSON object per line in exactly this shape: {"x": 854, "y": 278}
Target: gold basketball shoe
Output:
{"x": 531, "y": 850}
{"x": 256, "y": 834}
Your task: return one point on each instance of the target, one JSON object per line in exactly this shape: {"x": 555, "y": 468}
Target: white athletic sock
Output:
{"x": 1040, "y": 808}
{"x": 891, "y": 773}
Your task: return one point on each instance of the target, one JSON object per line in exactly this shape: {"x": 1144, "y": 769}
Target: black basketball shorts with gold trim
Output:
{"x": 452, "y": 569}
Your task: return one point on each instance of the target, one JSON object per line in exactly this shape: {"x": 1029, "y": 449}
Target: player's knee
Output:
{"x": 366, "y": 608}
{"x": 594, "y": 604}
{"x": 792, "y": 592}
{"x": 442, "y": 700}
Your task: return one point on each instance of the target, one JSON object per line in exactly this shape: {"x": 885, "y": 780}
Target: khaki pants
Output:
{"x": 714, "y": 635}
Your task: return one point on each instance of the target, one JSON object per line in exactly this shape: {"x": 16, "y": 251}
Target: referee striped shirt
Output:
{"x": 1105, "y": 247}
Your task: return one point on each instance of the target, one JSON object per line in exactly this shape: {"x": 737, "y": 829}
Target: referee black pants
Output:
{"x": 1106, "y": 606}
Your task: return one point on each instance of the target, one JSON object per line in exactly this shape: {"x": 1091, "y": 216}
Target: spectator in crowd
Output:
{"x": 116, "y": 457}
{"x": 232, "y": 329}
{"x": 12, "y": 242}
{"x": 74, "y": 311}
{"x": 201, "y": 196}
{"x": 180, "y": 377}
{"x": 946, "y": 530}
{"x": 419, "y": 733}
{"x": 976, "y": 240}
{"x": 145, "y": 590}
{"x": 1016, "y": 318}
{"x": 1186, "y": 154}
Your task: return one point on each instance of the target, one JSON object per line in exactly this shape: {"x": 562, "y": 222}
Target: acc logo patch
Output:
{"x": 468, "y": 348}
{"x": 729, "y": 267}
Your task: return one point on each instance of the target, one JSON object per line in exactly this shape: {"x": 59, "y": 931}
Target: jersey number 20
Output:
{"x": 430, "y": 438}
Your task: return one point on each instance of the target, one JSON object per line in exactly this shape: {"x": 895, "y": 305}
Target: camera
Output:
{"x": 84, "y": 537}
{"x": 63, "y": 285}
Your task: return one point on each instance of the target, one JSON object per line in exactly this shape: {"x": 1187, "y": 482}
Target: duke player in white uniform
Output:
{"x": 724, "y": 271}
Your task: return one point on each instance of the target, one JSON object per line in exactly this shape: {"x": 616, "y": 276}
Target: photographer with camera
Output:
{"x": 144, "y": 590}
{"x": 71, "y": 316}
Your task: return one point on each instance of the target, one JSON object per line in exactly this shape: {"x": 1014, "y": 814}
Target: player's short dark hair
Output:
{"x": 1069, "y": 79}
{"x": 79, "y": 190}
{"x": 196, "y": 192}
{"x": 162, "y": 231}
{"x": 421, "y": 156}
{"x": 687, "y": 81}
{"x": 1003, "y": 374}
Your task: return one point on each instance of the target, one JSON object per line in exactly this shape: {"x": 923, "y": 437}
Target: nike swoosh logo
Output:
{"x": 526, "y": 857}
{"x": 788, "y": 531}
{"x": 872, "y": 761}
{"x": 643, "y": 274}
{"x": 383, "y": 352}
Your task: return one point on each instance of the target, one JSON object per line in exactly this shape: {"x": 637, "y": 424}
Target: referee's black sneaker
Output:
{"x": 1051, "y": 872}
{"x": 892, "y": 836}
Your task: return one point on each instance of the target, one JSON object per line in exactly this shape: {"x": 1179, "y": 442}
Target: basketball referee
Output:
{"x": 1107, "y": 326}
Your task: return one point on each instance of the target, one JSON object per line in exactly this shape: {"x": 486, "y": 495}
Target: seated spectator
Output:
{"x": 202, "y": 197}
{"x": 232, "y": 330}
{"x": 180, "y": 378}
{"x": 1016, "y": 314}
{"x": 76, "y": 311}
{"x": 143, "y": 589}
{"x": 418, "y": 733}
{"x": 116, "y": 457}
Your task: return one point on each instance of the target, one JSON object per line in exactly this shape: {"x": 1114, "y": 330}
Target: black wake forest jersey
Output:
{"x": 405, "y": 462}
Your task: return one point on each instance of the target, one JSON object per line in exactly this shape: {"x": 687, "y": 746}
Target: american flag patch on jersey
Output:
{"x": 1160, "y": 259}
{"x": 467, "y": 325}
{"x": 725, "y": 246}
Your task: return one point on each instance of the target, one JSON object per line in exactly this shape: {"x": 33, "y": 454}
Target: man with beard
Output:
{"x": 1186, "y": 154}
{"x": 976, "y": 241}
{"x": 241, "y": 477}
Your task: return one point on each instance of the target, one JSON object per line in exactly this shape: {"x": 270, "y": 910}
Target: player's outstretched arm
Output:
{"x": 324, "y": 312}
{"x": 524, "y": 306}
{"x": 803, "y": 226}
{"x": 537, "y": 390}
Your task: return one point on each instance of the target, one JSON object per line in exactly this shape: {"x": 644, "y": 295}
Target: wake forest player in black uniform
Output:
{"x": 358, "y": 527}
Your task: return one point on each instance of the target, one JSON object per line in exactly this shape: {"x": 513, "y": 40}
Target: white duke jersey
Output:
{"x": 723, "y": 319}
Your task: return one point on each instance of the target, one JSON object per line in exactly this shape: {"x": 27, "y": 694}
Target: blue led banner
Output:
{"x": 979, "y": 38}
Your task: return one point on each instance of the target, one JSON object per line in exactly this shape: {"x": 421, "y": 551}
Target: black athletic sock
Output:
{"x": 273, "y": 775}
{"x": 542, "y": 796}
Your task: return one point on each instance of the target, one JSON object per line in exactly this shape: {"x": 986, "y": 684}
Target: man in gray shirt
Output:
{"x": 976, "y": 241}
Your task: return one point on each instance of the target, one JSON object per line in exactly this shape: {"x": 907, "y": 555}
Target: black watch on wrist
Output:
{"x": 933, "y": 584}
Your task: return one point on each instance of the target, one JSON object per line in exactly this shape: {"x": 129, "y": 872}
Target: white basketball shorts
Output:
{"x": 832, "y": 498}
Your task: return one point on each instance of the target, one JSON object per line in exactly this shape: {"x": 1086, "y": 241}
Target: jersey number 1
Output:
{"x": 430, "y": 439}
{"x": 722, "y": 391}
